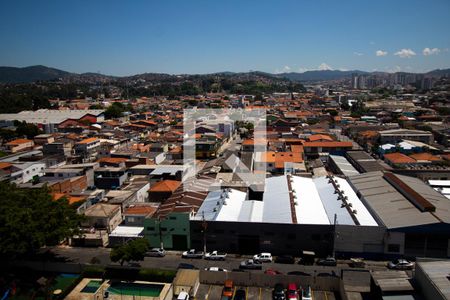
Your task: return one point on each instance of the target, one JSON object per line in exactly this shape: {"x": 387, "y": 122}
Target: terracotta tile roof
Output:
{"x": 88, "y": 140}
{"x": 282, "y": 157}
{"x": 252, "y": 142}
{"x": 140, "y": 210}
{"x": 297, "y": 148}
{"x": 18, "y": 142}
{"x": 399, "y": 158}
{"x": 319, "y": 137}
{"x": 5, "y": 165}
{"x": 425, "y": 156}
{"x": 113, "y": 160}
{"x": 71, "y": 199}
{"x": 328, "y": 144}
{"x": 165, "y": 186}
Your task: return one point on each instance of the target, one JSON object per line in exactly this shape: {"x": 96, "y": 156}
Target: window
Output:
{"x": 172, "y": 218}
{"x": 291, "y": 236}
{"x": 131, "y": 219}
{"x": 219, "y": 231}
{"x": 315, "y": 237}
{"x": 163, "y": 228}
{"x": 394, "y": 248}
{"x": 269, "y": 233}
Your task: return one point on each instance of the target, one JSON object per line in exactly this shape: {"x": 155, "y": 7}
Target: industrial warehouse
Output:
{"x": 369, "y": 214}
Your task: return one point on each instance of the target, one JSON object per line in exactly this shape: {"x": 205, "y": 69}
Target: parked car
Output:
{"x": 216, "y": 255}
{"x": 228, "y": 289}
{"x": 306, "y": 293}
{"x": 292, "y": 292}
{"x": 183, "y": 296}
{"x": 278, "y": 292}
{"x": 307, "y": 258}
{"x": 272, "y": 272}
{"x": 263, "y": 257}
{"x": 240, "y": 295}
{"x": 192, "y": 254}
{"x": 285, "y": 259}
{"x": 186, "y": 266}
{"x": 216, "y": 269}
{"x": 329, "y": 261}
{"x": 156, "y": 252}
{"x": 325, "y": 274}
{"x": 357, "y": 263}
{"x": 401, "y": 264}
{"x": 299, "y": 273}
{"x": 250, "y": 264}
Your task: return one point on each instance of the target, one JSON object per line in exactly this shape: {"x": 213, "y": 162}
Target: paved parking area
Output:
{"x": 323, "y": 295}
{"x": 214, "y": 292}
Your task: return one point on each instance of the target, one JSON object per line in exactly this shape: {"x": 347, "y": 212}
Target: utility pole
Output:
{"x": 333, "y": 254}
{"x": 204, "y": 226}
{"x": 160, "y": 233}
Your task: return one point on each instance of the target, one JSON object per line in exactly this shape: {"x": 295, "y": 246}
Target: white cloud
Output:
{"x": 381, "y": 53}
{"x": 324, "y": 66}
{"x": 285, "y": 69}
{"x": 427, "y": 51}
{"x": 301, "y": 69}
{"x": 394, "y": 69}
{"x": 358, "y": 53}
{"x": 405, "y": 53}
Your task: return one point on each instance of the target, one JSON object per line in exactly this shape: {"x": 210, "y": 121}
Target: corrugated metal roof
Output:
{"x": 310, "y": 208}
{"x": 391, "y": 207}
{"x": 277, "y": 207}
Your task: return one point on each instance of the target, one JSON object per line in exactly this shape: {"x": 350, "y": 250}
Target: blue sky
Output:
{"x": 121, "y": 37}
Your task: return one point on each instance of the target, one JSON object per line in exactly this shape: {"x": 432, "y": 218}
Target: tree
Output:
{"x": 115, "y": 110}
{"x": 30, "y": 219}
{"x": 333, "y": 113}
{"x": 134, "y": 250}
{"x": 345, "y": 105}
{"x": 26, "y": 129}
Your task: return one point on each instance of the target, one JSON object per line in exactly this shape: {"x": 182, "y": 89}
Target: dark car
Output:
{"x": 285, "y": 259}
{"x": 186, "y": 266}
{"x": 278, "y": 292}
{"x": 251, "y": 264}
{"x": 240, "y": 295}
{"x": 329, "y": 261}
{"x": 298, "y": 273}
{"x": 325, "y": 274}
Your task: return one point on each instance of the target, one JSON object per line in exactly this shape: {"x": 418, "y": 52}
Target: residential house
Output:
{"x": 162, "y": 190}
{"x": 17, "y": 145}
{"x": 110, "y": 178}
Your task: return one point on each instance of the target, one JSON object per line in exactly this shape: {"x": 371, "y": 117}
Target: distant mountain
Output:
{"x": 30, "y": 74}
{"x": 439, "y": 73}
{"x": 42, "y": 73}
{"x": 319, "y": 75}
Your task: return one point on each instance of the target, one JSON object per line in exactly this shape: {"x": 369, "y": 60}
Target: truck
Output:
{"x": 215, "y": 255}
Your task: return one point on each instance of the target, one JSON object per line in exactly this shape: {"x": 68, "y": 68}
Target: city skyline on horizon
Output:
{"x": 200, "y": 38}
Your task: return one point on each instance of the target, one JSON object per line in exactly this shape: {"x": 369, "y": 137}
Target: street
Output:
{"x": 173, "y": 259}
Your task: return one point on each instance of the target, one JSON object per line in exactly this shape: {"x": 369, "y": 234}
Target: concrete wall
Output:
{"x": 427, "y": 288}
{"x": 250, "y": 238}
{"x": 362, "y": 240}
{"x": 269, "y": 281}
